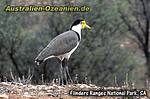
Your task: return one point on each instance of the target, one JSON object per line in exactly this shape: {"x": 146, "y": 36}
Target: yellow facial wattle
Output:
{"x": 84, "y": 25}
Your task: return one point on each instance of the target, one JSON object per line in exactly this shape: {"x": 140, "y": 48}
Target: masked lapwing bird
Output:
{"x": 62, "y": 46}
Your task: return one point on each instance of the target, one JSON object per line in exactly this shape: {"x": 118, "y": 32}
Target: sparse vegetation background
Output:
{"x": 113, "y": 53}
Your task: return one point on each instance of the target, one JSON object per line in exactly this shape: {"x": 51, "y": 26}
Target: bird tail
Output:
{"x": 42, "y": 56}
{"x": 39, "y": 60}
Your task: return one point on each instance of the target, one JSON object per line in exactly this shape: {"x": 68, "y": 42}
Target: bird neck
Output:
{"x": 77, "y": 28}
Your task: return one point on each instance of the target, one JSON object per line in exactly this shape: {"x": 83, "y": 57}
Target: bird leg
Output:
{"x": 65, "y": 73}
{"x": 61, "y": 74}
{"x": 67, "y": 70}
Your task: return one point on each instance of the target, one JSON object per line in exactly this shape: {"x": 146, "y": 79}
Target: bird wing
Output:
{"x": 61, "y": 44}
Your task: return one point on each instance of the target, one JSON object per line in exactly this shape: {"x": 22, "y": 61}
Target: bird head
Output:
{"x": 80, "y": 23}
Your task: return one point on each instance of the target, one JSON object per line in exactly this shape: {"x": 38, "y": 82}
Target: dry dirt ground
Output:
{"x": 9, "y": 90}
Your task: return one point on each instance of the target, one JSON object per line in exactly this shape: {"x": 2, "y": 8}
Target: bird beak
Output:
{"x": 87, "y": 26}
